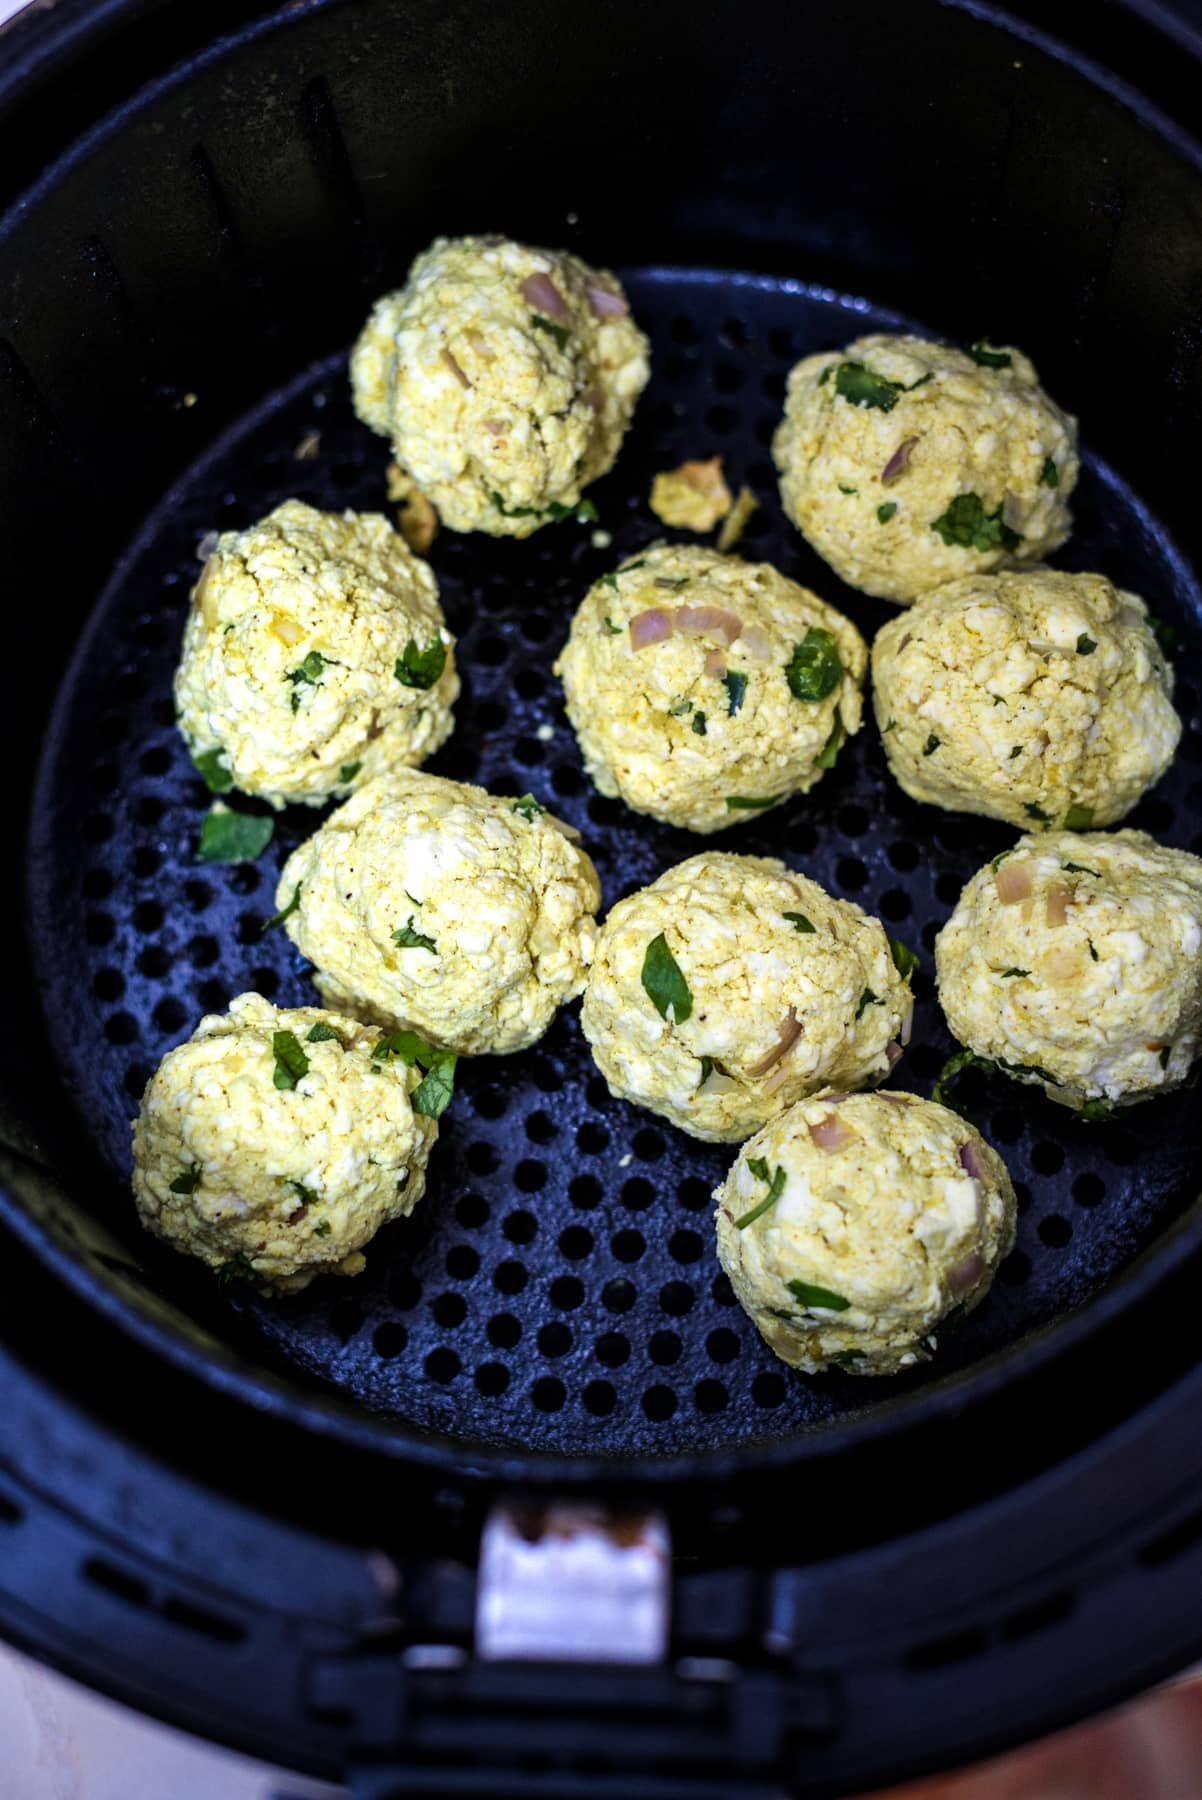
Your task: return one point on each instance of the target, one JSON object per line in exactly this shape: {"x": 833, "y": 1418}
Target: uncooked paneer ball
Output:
{"x": 852, "y": 1225}
{"x": 431, "y": 904}
{"x": 275, "y": 1143}
{"x": 505, "y": 378}
{"x": 315, "y": 655}
{"x": 732, "y": 986}
{"x": 1076, "y": 963}
{"x": 705, "y": 690}
{"x": 908, "y": 463}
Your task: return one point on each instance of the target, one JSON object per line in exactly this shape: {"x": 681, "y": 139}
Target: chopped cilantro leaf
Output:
{"x": 614, "y": 630}
{"x": 815, "y": 668}
{"x": 825, "y": 758}
{"x": 347, "y": 773}
{"x": 529, "y": 808}
{"x": 1094, "y": 1111}
{"x": 309, "y": 1195}
{"x": 214, "y": 771}
{"x": 1008, "y": 974}
{"x": 236, "y": 1268}
{"x": 989, "y": 359}
{"x": 867, "y": 999}
{"x": 997, "y": 861}
{"x": 886, "y": 510}
{"x": 807, "y": 1293}
{"x": 584, "y": 512}
{"x": 932, "y": 744}
{"x": 847, "y": 490}
{"x": 1166, "y": 635}
{"x": 707, "y": 1069}
{"x": 291, "y": 1063}
{"x": 406, "y": 937}
{"x": 1049, "y": 475}
{"x": 1094, "y": 957}
{"x": 855, "y": 383}
{"x": 905, "y": 960}
{"x": 892, "y": 725}
{"x": 1015, "y": 750}
{"x": 1071, "y": 868}
{"x": 679, "y": 707}
{"x": 967, "y": 524}
{"x": 233, "y": 837}
{"x": 663, "y": 982}
{"x": 1078, "y": 818}
{"x": 285, "y": 913}
{"x": 955, "y": 1065}
{"x": 1085, "y": 645}
{"x": 826, "y": 374}
{"x": 322, "y": 1228}
{"x": 798, "y": 921}
{"x": 776, "y": 1187}
{"x": 561, "y": 333}
{"x": 735, "y": 683}
{"x": 750, "y": 802}
{"x": 418, "y": 668}
{"x": 188, "y": 1180}
{"x": 432, "y": 1095}
{"x": 699, "y": 724}
{"x": 1034, "y": 811}
{"x": 308, "y": 674}
{"x": 321, "y": 1033}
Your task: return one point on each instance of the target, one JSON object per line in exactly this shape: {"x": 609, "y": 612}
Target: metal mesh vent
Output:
{"x": 558, "y": 1285}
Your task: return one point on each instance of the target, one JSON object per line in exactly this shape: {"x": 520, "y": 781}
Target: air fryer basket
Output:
{"x": 176, "y": 298}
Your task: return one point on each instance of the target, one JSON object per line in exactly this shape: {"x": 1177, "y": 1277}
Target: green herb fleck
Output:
{"x": 892, "y": 725}
{"x": 1071, "y": 868}
{"x": 236, "y": 1268}
{"x": 1034, "y": 811}
{"x": 418, "y": 668}
{"x": 309, "y": 1195}
{"x": 679, "y": 707}
{"x": 188, "y": 1179}
{"x": 1008, "y": 974}
{"x": 1166, "y": 635}
{"x": 855, "y": 383}
{"x": 798, "y": 921}
{"x": 322, "y": 1228}
{"x": 776, "y": 1186}
{"x": 1094, "y": 957}
{"x": 213, "y": 769}
{"x": 955, "y": 1065}
{"x": 707, "y": 1069}
{"x": 663, "y": 982}
{"x": 561, "y": 333}
{"x": 233, "y": 837}
{"x": 826, "y": 374}
{"x": 735, "y": 683}
{"x": 1049, "y": 475}
{"x": 867, "y": 999}
{"x": 1078, "y": 818}
{"x": 932, "y": 744}
{"x": 998, "y": 699}
{"x": 989, "y": 359}
{"x": 815, "y": 668}
{"x": 847, "y": 490}
{"x": 847, "y": 1359}
{"x": 999, "y": 859}
{"x": 286, "y": 913}
{"x": 905, "y": 960}
{"x": 406, "y": 937}
{"x": 614, "y": 630}
{"x": 321, "y": 1033}
{"x": 806, "y": 1293}
{"x": 432, "y": 1095}
{"x": 1164, "y": 1056}
{"x": 825, "y": 758}
{"x": 750, "y": 802}
{"x": 699, "y": 724}
{"x": 347, "y": 773}
{"x": 529, "y": 808}
{"x": 307, "y": 675}
{"x": 1094, "y": 1111}
{"x": 967, "y": 524}
{"x": 886, "y": 510}
{"x": 584, "y": 511}
{"x": 291, "y": 1063}
{"x": 1085, "y": 645}
{"x": 1015, "y": 750}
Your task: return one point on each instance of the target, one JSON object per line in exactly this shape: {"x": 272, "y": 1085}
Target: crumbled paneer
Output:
{"x": 693, "y": 497}
{"x": 416, "y": 517}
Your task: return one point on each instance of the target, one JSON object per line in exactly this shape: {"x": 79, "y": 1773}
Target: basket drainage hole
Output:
{"x": 548, "y": 1394}
{"x": 442, "y": 1365}
{"x": 1055, "y": 1231}
{"x": 659, "y": 1403}
{"x": 492, "y": 1379}
{"x": 389, "y": 1339}
{"x": 613, "y": 1349}
{"x": 600, "y": 1398}
{"x": 555, "y": 1338}
{"x": 503, "y": 1331}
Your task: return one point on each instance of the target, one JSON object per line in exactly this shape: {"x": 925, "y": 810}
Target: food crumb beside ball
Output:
{"x": 907, "y": 463}
{"x": 732, "y": 986}
{"x": 1033, "y": 696}
{"x": 314, "y": 656}
{"x": 504, "y": 377}
{"x": 1075, "y": 962}
{"x": 704, "y": 690}
{"x": 274, "y": 1143}
{"x": 434, "y": 905}
{"x": 854, "y": 1224}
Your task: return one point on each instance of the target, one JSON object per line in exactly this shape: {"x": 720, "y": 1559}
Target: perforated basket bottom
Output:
{"x": 558, "y": 1286}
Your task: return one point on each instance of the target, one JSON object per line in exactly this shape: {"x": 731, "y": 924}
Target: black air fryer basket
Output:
{"x": 263, "y": 1519}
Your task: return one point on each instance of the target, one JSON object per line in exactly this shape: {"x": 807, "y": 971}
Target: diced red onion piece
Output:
{"x": 455, "y": 369}
{"x": 908, "y": 639}
{"x": 563, "y": 828}
{"x": 757, "y": 643}
{"x": 971, "y": 1163}
{"x": 1056, "y": 905}
{"x": 605, "y": 303}
{"x": 893, "y": 1054}
{"x": 1013, "y": 883}
{"x": 496, "y": 427}
{"x": 831, "y": 1134}
{"x": 1012, "y": 512}
{"x": 543, "y": 295}
{"x": 715, "y": 664}
{"x": 897, "y": 464}
{"x": 207, "y": 545}
{"x": 650, "y": 627}
{"x": 790, "y": 1031}
{"x": 907, "y": 1024}
{"x": 709, "y": 621}
{"x": 966, "y": 1274}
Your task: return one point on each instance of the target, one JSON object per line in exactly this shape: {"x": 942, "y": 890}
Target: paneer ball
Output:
{"x": 908, "y": 463}
{"x": 733, "y": 986}
{"x": 433, "y": 905}
{"x": 704, "y": 689}
{"x": 1075, "y": 961}
{"x": 854, "y": 1224}
{"x": 1032, "y": 696}
{"x": 505, "y": 378}
{"x": 315, "y": 656}
{"x": 274, "y": 1143}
